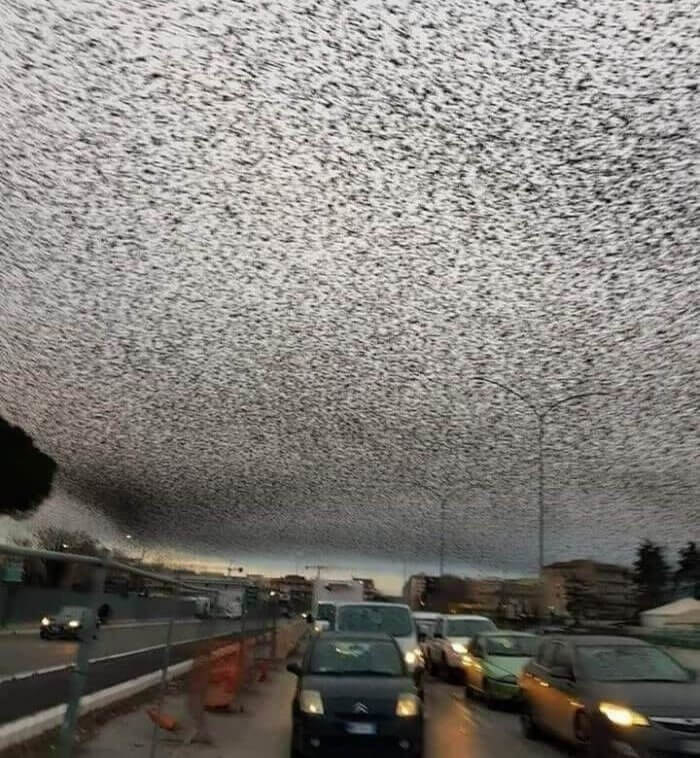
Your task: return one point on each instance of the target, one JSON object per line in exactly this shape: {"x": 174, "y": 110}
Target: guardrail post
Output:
{"x": 163, "y": 683}
{"x": 80, "y": 668}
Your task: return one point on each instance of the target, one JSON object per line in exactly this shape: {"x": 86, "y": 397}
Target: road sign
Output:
{"x": 13, "y": 570}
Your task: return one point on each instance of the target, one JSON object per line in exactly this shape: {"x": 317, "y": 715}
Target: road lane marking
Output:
{"x": 38, "y": 672}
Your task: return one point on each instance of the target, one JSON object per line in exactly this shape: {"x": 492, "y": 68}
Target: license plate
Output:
{"x": 691, "y": 747}
{"x": 354, "y": 727}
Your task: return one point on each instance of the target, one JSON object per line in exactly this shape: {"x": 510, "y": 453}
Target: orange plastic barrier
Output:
{"x": 225, "y": 677}
{"x": 162, "y": 719}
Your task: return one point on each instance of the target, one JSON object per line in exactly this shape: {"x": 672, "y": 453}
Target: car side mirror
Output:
{"x": 562, "y": 672}
{"x": 294, "y": 668}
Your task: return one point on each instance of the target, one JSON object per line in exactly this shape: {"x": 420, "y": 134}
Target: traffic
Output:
{"x": 363, "y": 677}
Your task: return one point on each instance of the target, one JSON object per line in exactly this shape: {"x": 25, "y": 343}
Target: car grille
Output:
{"x": 679, "y": 725}
{"x": 377, "y": 710}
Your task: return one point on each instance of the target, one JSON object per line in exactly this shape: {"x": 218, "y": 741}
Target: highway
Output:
{"x": 22, "y": 694}
{"x": 24, "y": 652}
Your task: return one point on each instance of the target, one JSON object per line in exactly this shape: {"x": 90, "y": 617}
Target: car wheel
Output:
{"x": 527, "y": 722}
{"x": 582, "y": 728}
{"x": 444, "y": 668}
{"x": 488, "y": 695}
{"x": 293, "y": 750}
{"x": 43, "y": 635}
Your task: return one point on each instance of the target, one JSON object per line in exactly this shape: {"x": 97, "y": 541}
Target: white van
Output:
{"x": 395, "y": 620}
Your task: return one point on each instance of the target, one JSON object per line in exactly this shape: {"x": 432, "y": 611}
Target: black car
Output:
{"x": 71, "y": 622}
{"x": 612, "y": 696}
{"x": 355, "y": 695}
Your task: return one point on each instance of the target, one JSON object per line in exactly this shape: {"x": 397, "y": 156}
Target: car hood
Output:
{"x": 359, "y": 686}
{"x": 506, "y": 664}
{"x": 652, "y": 698}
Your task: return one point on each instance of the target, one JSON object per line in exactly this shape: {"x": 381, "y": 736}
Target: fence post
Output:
{"x": 163, "y": 683}
{"x": 81, "y": 666}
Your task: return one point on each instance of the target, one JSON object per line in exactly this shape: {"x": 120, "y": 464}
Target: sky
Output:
{"x": 254, "y": 255}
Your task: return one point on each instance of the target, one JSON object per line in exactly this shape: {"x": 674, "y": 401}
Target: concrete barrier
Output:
{"x": 38, "y": 723}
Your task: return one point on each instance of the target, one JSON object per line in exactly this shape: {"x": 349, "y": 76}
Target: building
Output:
{"x": 599, "y": 590}
{"x": 414, "y": 592}
{"x": 495, "y": 597}
{"x": 369, "y": 593}
{"x": 293, "y": 589}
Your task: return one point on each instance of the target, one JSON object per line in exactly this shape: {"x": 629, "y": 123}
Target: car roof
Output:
{"x": 507, "y": 633}
{"x": 369, "y": 636}
{"x": 583, "y": 640}
{"x": 375, "y": 605}
{"x": 426, "y": 615}
{"x": 464, "y": 617}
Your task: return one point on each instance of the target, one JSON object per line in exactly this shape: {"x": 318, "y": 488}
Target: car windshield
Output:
{"x": 71, "y": 610}
{"x": 356, "y": 658}
{"x": 468, "y": 627}
{"x": 513, "y": 645}
{"x": 629, "y": 663}
{"x": 388, "y": 619}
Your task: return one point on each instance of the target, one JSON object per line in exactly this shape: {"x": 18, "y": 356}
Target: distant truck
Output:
{"x": 327, "y": 593}
{"x": 202, "y": 606}
{"x": 229, "y": 603}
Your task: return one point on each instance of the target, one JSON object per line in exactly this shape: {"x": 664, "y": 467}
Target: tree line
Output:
{"x": 656, "y": 582}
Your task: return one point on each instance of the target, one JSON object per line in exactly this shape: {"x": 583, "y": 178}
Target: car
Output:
{"x": 354, "y": 694}
{"x": 71, "y": 622}
{"x": 611, "y": 696}
{"x": 425, "y": 622}
{"x": 493, "y": 663}
{"x": 453, "y": 634}
{"x": 389, "y": 618}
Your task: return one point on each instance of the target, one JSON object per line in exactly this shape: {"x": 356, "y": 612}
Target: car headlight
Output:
{"x": 622, "y": 716}
{"x": 73, "y": 624}
{"x": 413, "y": 657}
{"x": 45, "y": 621}
{"x": 407, "y": 705}
{"x": 310, "y": 701}
{"x": 458, "y": 647}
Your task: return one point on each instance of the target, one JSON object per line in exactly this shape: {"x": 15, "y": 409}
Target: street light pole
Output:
{"x": 541, "y": 416}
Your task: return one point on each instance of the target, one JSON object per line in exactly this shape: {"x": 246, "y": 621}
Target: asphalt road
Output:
{"x": 20, "y": 653}
{"x": 25, "y": 695}
{"x": 456, "y": 728}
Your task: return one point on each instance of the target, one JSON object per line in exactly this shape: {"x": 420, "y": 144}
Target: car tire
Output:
{"x": 489, "y": 699}
{"x": 528, "y": 726}
{"x": 444, "y": 668}
{"x": 582, "y": 732}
